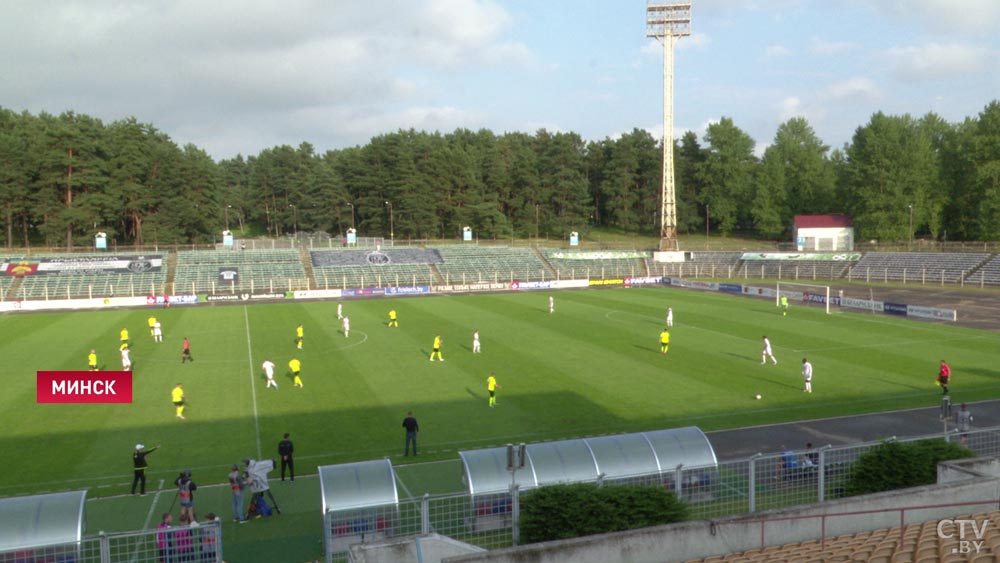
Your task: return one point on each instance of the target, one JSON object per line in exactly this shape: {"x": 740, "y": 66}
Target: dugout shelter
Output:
{"x": 681, "y": 459}
{"x": 360, "y": 503}
{"x": 50, "y": 525}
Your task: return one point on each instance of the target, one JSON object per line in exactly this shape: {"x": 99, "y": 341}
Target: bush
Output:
{"x": 896, "y": 465}
{"x": 568, "y": 511}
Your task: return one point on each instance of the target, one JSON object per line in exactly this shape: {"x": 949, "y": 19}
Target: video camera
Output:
{"x": 257, "y": 474}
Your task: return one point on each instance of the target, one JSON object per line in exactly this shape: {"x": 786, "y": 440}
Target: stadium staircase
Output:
{"x": 437, "y": 274}
{"x": 984, "y": 269}
{"x": 13, "y": 289}
{"x": 168, "y": 286}
{"x": 548, "y": 265}
{"x": 307, "y": 265}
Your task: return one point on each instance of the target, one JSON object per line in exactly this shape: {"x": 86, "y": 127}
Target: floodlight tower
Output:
{"x": 667, "y": 21}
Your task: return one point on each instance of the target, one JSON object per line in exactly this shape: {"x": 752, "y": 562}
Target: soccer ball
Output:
{"x": 758, "y": 396}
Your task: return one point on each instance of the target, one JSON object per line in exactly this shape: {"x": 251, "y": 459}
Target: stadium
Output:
{"x": 590, "y": 369}
{"x": 479, "y": 347}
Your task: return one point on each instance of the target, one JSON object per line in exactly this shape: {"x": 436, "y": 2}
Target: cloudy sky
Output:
{"x": 240, "y": 76}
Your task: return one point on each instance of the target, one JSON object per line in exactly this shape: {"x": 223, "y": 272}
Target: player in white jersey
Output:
{"x": 340, "y": 311}
{"x": 552, "y": 304}
{"x": 126, "y": 361}
{"x": 807, "y": 375}
{"x": 347, "y": 327}
{"x": 766, "y": 353}
{"x": 268, "y": 367}
{"x": 157, "y": 332}
{"x": 670, "y": 317}
{"x": 475, "y": 342}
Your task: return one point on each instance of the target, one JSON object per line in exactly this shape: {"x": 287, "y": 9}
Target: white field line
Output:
{"x": 253, "y": 385}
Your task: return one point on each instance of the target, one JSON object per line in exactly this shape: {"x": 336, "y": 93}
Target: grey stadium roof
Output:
{"x": 363, "y": 484}
{"x": 41, "y": 520}
{"x": 587, "y": 459}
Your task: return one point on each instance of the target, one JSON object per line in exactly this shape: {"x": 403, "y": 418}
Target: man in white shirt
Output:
{"x": 475, "y": 342}
{"x": 670, "y": 317}
{"x": 268, "y": 366}
{"x": 157, "y": 332}
{"x": 347, "y": 327}
{"x": 340, "y": 311}
{"x": 766, "y": 353}
{"x": 126, "y": 361}
{"x": 807, "y": 375}
{"x": 552, "y": 304}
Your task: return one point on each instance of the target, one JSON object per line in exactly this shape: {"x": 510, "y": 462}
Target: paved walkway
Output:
{"x": 843, "y": 430}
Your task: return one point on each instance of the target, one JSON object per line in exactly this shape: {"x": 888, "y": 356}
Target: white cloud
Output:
{"x": 819, "y": 46}
{"x": 226, "y": 63}
{"x": 777, "y": 51}
{"x": 934, "y": 61}
{"x": 790, "y": 107}
{"x": 856, "y": 88}
{"x": 794, "y": 106}
{"x": 947, "y": 16}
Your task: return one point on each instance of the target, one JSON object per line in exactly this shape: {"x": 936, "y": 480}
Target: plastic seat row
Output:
{"x": 917, "y": 543}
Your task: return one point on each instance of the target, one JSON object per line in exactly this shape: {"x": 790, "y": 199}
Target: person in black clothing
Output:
{"x": 411, "y": 426}
{"x": 285, "y": 450}
{"x": 139, "y": 467}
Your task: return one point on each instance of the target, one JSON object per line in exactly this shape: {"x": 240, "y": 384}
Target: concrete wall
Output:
{"x": 694, "y": 540}
{"x": 431, "y": 548}
{"x": 963, "y": 469}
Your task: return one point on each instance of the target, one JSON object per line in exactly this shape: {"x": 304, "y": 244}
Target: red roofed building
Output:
{"x": 824, "y": 232}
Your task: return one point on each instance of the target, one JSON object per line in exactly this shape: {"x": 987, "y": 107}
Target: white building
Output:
{"x": 824, "y": 232}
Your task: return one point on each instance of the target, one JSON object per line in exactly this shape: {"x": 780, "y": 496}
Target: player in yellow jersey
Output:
{"x": 177, "y": 396}
{"x": 151, "y": 321}
{"x": 296, "y": 366}
{"x": 784, "y": 305}
{"x": 492, "y": 386}
{"x": 92, "y": 360}
{"x": 392, "y": 319}
{"x": 299, "y": 333}
{"x": 124, "y": 337}
{"x": 437, "y": 348}
{"x": 664, "y": 341}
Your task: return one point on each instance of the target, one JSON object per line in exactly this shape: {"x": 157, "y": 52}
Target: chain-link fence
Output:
{"x": 200, "y": 543}
{"x": 743, "y": 486}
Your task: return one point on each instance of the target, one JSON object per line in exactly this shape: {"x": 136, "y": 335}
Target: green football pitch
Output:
{"x": 592, "y": 367}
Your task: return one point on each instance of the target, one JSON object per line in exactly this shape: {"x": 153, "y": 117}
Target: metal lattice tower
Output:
{"x": 667, "y": 21}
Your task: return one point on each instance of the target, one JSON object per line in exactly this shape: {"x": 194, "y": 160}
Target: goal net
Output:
{"x": 803, "y": 293}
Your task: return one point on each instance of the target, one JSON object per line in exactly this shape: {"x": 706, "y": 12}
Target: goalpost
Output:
{"x": 803, "y": 292}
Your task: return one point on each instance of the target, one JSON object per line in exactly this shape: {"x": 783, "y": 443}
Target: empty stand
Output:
{"x": 479, "y": 264}
{"x": 259, "y": 270}
{"x": 915, "y": 267}
{"x": 89, "y": 275}
{"x": 583, "y": 264}
{"x": 374, "y": 268}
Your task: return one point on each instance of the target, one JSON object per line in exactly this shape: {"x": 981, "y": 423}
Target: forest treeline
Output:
{"x": 65, "y": 177}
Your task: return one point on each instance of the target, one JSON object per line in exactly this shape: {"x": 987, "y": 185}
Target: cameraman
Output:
{"x": 256, "y": 479}
{"x": 185, "y": 493}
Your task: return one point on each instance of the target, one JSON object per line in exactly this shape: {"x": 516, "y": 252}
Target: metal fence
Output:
{"x": 743, "y": 486}
{"x": 824, "y": 271}
{"x": 200, "y": 543}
